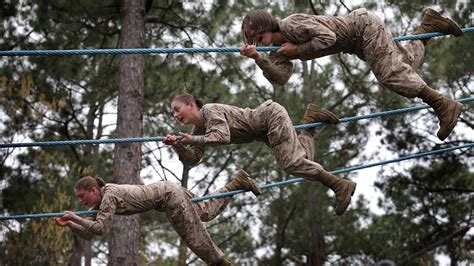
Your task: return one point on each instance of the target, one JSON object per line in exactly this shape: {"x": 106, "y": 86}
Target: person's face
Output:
{"x": 262, "y": 38}
{"x": 183, "y": 112}
{"x": 90, "y": 198}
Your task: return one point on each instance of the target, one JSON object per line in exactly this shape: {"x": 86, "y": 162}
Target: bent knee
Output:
{"x": 292, "y": 166}
{"x": 174, "y": 194}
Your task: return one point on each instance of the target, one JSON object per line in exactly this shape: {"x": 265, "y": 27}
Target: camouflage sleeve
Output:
{"x": 189, "y": 154}
{"x": 80, "y": 231}
{"x": 217, "y": 128}
{"x": 276, "y": 69}
{"x": 313, "y": 37}
{"x": 100, "y": 225}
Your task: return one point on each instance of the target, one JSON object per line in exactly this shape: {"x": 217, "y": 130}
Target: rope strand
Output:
{"x": 160, "y": 138}
{"x": 266, "y": 186}
{"x": 185, "y": 50}
{"x": 340, "y": 171}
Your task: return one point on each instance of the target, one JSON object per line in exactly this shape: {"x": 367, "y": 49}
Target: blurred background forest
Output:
{"x": 402, "y": 213}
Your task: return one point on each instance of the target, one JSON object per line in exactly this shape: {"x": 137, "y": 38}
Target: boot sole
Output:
{"x": 451, "y": 126}
{"x": 347, "y": 201}
{"x": 254, "y": 188}
{"x": 454, "y": 28}
{"x": 331, "y": 118}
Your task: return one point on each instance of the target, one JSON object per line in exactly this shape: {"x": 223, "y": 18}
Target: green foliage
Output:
{"x": 73, "y": 97}
{"x": 436, "y": 199}
{"x": 39, "y": 241}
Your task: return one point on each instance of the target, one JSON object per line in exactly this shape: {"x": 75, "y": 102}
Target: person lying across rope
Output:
{"x": 165, "y": 196}
{"x": 361, "y": 33}
{"x": 220, "y": 124}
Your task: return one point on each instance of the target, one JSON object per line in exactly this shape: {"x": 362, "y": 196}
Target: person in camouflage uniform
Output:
{"x": 361, "y": 33}
{"x": 220, "y": 124}
{"x": 185, "y": 216}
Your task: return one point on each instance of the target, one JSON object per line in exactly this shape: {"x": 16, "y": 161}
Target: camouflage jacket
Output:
{"x": 315, "y": 36}
{"x": 224, "y": 124}
{"x": 121, "y": 200}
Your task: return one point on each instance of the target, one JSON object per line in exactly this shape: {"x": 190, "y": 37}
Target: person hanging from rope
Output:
{"x": 361, "y": 33}
{"x": 185, "y": 216}
{"x": 220, "y": 124}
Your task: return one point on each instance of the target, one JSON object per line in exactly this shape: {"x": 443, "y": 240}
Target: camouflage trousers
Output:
{"x": 393, "y": 64}
{"x": 294, "y": 153}
{"x": 186, "y": 218}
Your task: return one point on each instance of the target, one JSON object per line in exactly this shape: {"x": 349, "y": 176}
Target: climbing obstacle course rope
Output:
{"x": 160, "y": 138}
{"x": 44, "y": 215}
{"x": 341, "y": 171}
{"x": 186, "y": 50}
{"x": 266, "y": 186}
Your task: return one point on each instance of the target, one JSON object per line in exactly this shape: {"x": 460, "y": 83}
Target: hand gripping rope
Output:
{"x": 160, "y": 138}
{"x": 185, "y": 50}
{"x": 268, "y": 186}
{"x": 202, "y": 50}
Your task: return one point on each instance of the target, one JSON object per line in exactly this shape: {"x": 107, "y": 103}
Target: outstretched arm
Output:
{"x": 188, "y": 154}
{"x": 100, "y": 225}
{"x": 217, "y": 129}
{"x": 276, "y": 69}
{"x": 81, "y": 231}
{"x": 75, "y": 228}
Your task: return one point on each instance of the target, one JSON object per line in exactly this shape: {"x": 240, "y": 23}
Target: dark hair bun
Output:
{"x": 100, "y": 182}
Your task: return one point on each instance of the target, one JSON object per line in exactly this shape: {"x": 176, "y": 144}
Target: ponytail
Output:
{"x": 89, "y": 182}
{"x": 187, "y": 99}
{"x": 199, "y": 103}
{"x": 100, "y": 182}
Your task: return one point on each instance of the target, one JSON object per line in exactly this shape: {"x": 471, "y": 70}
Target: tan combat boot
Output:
{"x": 447, "y": 110}
{"x": 433, "y": 22}
{"x": 314, "y": 114}
{"x": 343, "y": 188}
{"x": 242, "y": 180}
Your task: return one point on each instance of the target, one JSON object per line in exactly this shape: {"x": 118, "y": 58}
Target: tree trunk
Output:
{"x": 80, "y": 248}
{"x": 123, "y": 244}
{"x": 307, "y": 85}
{"x": 317, "y": 254}
{"x": 87, "y": 253}
{"x": 280, "y": 234}
{"x": 182, "y": 249}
